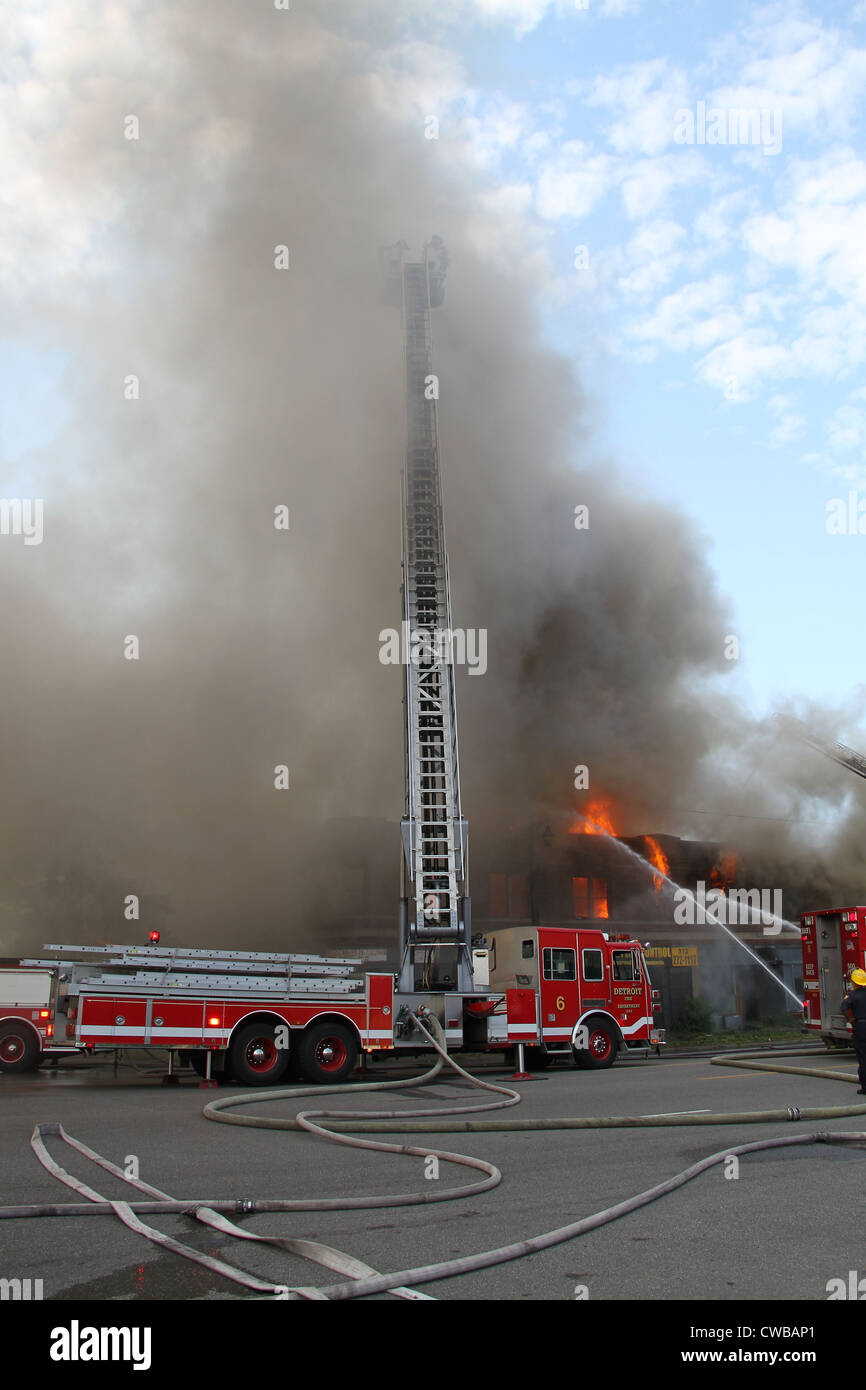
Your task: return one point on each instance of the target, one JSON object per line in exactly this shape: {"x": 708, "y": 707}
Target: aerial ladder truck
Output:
{"x": 254, "y": 1016}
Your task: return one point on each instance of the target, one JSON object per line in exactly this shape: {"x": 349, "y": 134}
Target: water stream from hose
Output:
{"x": 707, "y": 911}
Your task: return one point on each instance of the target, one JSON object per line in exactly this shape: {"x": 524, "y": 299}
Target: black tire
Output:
{"x": 20, "y": 1049}
{"x": 219, "y": 1071}
{"x": 602, "y": 1047}
{"x": 327, "y": 1053}
{"x": 537, "y": 1059}
{"x": 254, "y": 1058}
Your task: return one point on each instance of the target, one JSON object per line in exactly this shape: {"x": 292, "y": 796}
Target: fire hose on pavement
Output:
{"x": 363, "y": 1281}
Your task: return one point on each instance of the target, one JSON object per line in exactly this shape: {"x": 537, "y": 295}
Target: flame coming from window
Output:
{"x": 582, "y": 908}
{"x": 657, "y": 856}
{"x": 723, "y": 874}
{"x": 596, "y": 821}
{"x": 599, "y": 898}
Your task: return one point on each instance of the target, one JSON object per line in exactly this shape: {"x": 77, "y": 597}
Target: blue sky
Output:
{"x": 719, "y": 314}
{"x": 719, "y": 317}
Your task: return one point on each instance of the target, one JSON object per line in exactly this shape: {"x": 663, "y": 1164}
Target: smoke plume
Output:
{"x": 204, "y": 388}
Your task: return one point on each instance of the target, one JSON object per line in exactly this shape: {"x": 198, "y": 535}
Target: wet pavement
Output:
{"x": 781, "y": 1230}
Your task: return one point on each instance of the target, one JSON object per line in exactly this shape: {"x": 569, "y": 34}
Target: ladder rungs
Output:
{"x": 211, "y": 985}
{"x": 199, "y": 954}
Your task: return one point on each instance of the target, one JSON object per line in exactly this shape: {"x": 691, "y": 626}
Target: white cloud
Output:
{"x": 574, "y": 182}
{"x": 615, "y": 9}
{"x": 846, "y": 429}
{"x": 648, "y": 185}
{"x": 522, "y": 16}
{"x": 652, "y": 256}
{"x": 692, "y": 318}
{"x": 643, "y": 98}
{"x": 833, "y": 340}
{"x": 719, "y": 220}
{"x": 501, "y": 126}
{"x": 845, "y": 454}
{"x": 740, "y": 366}
{"x": 789, "y": 426}
{"x": 814, "y": 74}
{"x": 819, "y": 230}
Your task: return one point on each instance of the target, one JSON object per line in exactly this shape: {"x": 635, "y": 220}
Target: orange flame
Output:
{"x": 596, "y": 821}
{"x": 722, "y": 875}
{"x": 599, "y": 898}
{"x": 657, "y": 857}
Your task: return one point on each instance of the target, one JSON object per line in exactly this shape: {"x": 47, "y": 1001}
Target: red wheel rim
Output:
{"x": 261, "y": 1054}
{"x": 11, "y": 1048}
{"x": 331, "y": 1053}
{"x": 599, "y": 1045}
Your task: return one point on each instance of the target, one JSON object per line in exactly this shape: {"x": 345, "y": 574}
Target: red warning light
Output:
{"x": 154, "y": 938}
{"x": 213, "y": 1023}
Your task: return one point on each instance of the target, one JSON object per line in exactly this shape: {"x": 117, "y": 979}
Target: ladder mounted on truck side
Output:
{"x": 435, "y": 918}
{"x": 184, "y": 970}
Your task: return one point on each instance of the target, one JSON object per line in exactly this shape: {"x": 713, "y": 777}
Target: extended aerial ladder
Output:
{"x": 435, "y": 919}
{"x": 837, "y": 752}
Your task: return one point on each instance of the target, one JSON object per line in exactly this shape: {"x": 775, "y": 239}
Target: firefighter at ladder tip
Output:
{"x": 854, "y": 1006}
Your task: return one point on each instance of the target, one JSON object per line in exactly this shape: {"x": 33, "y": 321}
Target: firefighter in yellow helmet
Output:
{"x": 854, "y": 1007}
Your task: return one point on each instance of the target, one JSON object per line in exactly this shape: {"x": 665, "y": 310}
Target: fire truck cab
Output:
{"x": 834, "y": 944}
{"x": 28, "y": 999}
{"x": 593, "y": 995}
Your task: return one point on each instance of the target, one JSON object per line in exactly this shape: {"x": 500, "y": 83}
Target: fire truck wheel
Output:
{"x": 327, "y": 1052}
{"x": 254, "y": 1058}
{"x": 220, "y": 1073}
{"x": 19, "y": 1049}
{"x": 601, "y": 1048}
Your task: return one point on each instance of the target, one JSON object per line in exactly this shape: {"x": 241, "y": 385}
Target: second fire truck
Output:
{"x": 834, "y": 944}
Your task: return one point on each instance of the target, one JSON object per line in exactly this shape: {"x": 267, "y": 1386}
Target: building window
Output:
{"x": 599, "y": 897}
{"x": 580, "y": 898}
{"x": 589, "y": 898}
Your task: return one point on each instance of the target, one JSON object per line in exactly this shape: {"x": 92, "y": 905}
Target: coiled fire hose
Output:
{"x": 365, "y": 1281}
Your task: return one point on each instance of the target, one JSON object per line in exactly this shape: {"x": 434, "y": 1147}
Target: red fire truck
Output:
{"x": 834, "y": 944}
{"x": 27, "y": 1009}
{"x": 257, "y": 1016}
{"x": 575, "y": 992}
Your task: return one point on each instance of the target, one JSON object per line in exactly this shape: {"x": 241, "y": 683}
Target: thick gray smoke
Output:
{"x": 260, "y": 387}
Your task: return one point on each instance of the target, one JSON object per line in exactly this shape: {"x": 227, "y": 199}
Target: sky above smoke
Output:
{"x": 153, "y": 258}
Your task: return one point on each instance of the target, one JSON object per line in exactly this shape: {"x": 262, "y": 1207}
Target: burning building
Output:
{"x": 572, "y": 869}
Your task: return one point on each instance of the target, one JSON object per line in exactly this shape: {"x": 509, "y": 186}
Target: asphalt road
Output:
{"x": 788, "y": 1224}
